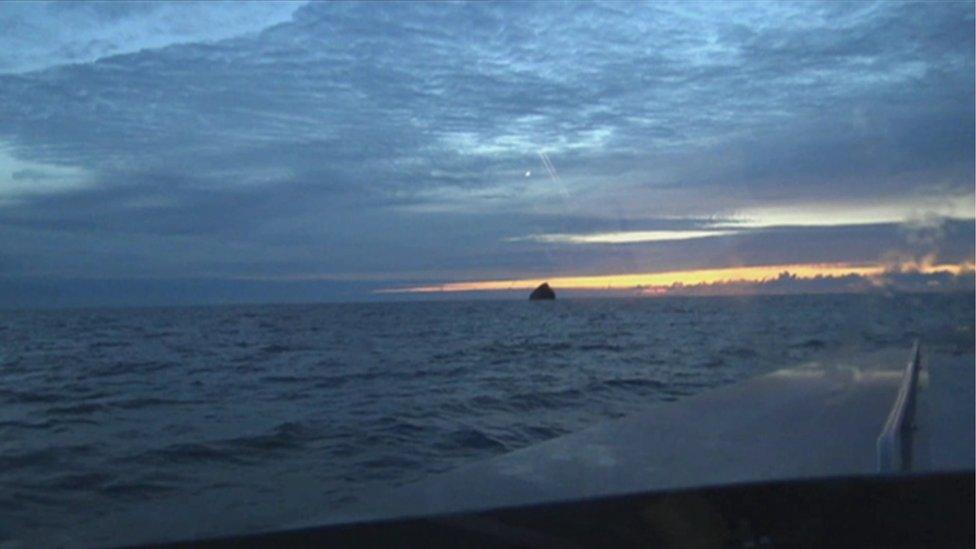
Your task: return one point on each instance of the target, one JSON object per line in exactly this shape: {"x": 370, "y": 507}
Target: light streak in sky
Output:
{"x": 549, "y": 167}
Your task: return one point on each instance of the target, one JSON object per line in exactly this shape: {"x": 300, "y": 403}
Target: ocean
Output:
{"x": 224, "y": 419}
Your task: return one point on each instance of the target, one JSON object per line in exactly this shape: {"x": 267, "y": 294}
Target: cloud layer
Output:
{"x": 40, "y": 34}
{"x": 444, "y": 142}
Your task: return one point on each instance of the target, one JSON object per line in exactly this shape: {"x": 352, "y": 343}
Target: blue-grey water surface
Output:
{"x": 238, "y": 418}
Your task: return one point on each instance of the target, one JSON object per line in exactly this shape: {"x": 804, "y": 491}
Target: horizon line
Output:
{"x": 652, "y": 281}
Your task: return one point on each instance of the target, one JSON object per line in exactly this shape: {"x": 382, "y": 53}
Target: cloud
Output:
{"x": 39, "y": 35}
{"x": 394, "y": 139}
{"x": 21, "y": 180}
{"x": 917, "y": 211}
{"x": 29, "y": 174}
{"x": 787, "y": 283}
{"x": 621, "y": 237}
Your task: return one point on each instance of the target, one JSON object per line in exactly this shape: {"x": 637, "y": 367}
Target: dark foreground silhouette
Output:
{"x": 542, "y": 292}
{"x": 868, "y": 511}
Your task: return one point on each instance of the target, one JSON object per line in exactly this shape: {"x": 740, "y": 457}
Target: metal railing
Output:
{"x": 894, "y": 445}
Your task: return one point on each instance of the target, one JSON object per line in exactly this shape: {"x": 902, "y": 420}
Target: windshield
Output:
{"x": 261, "y": 262}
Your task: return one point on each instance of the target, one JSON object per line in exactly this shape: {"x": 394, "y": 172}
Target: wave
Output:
{"x": 609, "y": 347}
{"x": 79, "y": 482}
{"x": 110, "y": 344}
{"x": 125, "y": 367}
{"x": 239, "y": 450}
{"x": 523, "y": 402}
{"x": 151, "y": 402}
{"x": 82, "y": 409}
{"x": 470, "y": 439}
{"x": 285, "y": 436}
{"x": 137, "y": 491}
{"x": 628, "y": 383}
{"x": 43, "y": 457}
{"x": 15, "y": 424}
{"x": 194, "y": 452}
{"x": 30, "y": 397}
{"x": 339, "y": 396}
{"x": 810, "y": 343}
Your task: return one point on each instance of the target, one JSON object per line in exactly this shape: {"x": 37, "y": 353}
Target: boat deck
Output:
{"x": 946, "y": 428}
{"x": 821, "y": 419}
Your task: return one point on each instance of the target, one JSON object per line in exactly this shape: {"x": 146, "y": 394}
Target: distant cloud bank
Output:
{"x": 963, "y": 280}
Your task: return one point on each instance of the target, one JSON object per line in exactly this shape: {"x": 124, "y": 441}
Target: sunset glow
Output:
{"x": 647, "y": 281}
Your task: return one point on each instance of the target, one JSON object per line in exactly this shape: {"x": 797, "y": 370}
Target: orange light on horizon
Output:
{"x": 648, "y": 281}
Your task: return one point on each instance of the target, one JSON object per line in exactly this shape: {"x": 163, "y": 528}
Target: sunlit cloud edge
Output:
{"x": 621, "y": 237}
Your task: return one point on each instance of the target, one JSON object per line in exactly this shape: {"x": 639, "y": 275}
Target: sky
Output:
{"x": 190, "y": 152}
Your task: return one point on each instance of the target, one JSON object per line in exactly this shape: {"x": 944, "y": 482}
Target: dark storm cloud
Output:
{"x": 393, "y": 139}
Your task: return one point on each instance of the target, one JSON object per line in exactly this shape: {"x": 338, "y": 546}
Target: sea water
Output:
{"x": 241, "y": 418}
